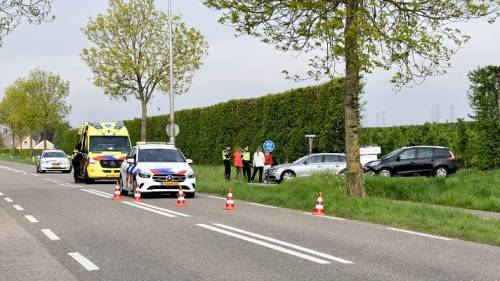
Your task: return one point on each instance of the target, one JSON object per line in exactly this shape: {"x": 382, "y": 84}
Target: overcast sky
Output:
{"x": 236, "y": 67}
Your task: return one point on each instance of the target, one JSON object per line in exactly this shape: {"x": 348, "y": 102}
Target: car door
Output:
{"x": 330, "y": 163}
{"x": 425, "y": 160}
{"x": 405, "y": 162}
{"x": 313, "y": 165}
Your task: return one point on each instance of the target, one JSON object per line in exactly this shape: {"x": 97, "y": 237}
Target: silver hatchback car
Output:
{"x": 305, "y": 166}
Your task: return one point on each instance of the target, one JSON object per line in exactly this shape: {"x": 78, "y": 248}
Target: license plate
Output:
{"x": 111, "y": 176}
{"x": 56, "y": 165}
{"x": 169, "y": 183}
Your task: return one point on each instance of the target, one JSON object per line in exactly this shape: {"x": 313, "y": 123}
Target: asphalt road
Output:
{"x": 75, "y": 231}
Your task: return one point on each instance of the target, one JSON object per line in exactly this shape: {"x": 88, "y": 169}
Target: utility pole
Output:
{"x": 170, "y": 45}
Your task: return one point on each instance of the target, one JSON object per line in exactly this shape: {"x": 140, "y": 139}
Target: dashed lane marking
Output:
{"x": 31, "y": 218}
{"x": 51, "y": 235}
{"x": 283, "y": 243}
{"x": 420, "y": 234}
{"x": 17, "y": 207}
{"x": 164, "y": 210}
{"x": 265, "y": 244}
{"x": 8, "y": 200}
{"x": 86, "y": 263}
{"x": 149, "y": 209}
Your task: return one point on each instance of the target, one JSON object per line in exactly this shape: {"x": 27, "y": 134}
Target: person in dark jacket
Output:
{"x": 226, "y": 158}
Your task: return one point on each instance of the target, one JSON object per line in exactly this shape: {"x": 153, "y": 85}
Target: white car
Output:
{"x": 53, "y": 160}
{"x": 157, "y": 168}
{"x": 307, "y": 165}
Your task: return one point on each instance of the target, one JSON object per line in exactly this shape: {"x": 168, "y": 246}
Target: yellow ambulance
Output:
{"x": 100, "y": 150}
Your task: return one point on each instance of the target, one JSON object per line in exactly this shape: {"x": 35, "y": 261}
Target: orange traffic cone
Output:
{"x": 230, "y": 201}
{"x": 181, "y": 202}
{"x": 117, "y": 195}
{"x": 137, "y": 194}
{"x": 318, "y": 211}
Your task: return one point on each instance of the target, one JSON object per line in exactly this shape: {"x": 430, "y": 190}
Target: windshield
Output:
{"x": 392, "y": 153}
{"x": 300, "y": 160}
{"x": 109, "y": 143}
{"x": 160, "y": 155}
{"x": 54, "y": 154}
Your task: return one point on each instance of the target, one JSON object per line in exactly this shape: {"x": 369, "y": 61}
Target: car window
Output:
{"x": 407, "y": 154}
{"x": 160, "y": 155}
{"x": 330, "y": 158}
{"x": 341, "y": 158}
{"x": 395, "y": 152}
{"x": 425, "y": 153}
{"x": 131, "y": 153}
{"x": 54, "y": 154}
{"x": 314, "y": 159}
{"x": 440, "y": 152}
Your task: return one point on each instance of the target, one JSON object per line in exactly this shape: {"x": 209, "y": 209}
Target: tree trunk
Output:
{"x": 354, "y": 176}
{"x": 144, "y": 120}
{"x": 31, "y": 145}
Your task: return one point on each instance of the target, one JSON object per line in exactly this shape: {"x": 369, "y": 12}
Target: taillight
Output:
{"x": 451, "y": 157}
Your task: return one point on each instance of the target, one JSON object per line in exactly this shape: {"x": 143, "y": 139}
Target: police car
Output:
{"x": 157, "y": 168}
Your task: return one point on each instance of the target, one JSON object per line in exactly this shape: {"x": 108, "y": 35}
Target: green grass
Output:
{"x": 470, "y": 189}
{"x": 301, "y": 193}
{"x": 17, "y": 159}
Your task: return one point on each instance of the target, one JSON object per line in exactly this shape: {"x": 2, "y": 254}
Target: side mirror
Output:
{"x": 398, "y": 158}
{"x": 305, "y": 163}
{"x": 189, "y": 161}
{"x": 130, "y": 160}
{"x": 38, "y": 157}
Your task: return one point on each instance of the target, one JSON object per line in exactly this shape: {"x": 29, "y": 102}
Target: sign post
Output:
{"x": 311, "y": 141}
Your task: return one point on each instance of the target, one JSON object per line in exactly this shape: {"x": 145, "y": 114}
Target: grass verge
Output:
{"x": 17, "y": 159}
{"x": 301, "y": 193}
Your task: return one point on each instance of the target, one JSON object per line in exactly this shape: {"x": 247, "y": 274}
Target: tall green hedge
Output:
{"x": 283, "y": 118}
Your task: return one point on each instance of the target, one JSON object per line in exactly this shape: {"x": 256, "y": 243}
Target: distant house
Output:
{"x": 40, "y": 145}
{"x": 26, "y": 143}
{"x": 6, "y": 135}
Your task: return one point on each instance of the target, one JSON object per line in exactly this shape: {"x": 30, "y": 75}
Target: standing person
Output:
{"x": 226, "y": 158}
{"x": 246, "y": 163}
{"x": 268, "y": 162}
{"x": 238, "y": 162}
{"x": 258, "y": 163}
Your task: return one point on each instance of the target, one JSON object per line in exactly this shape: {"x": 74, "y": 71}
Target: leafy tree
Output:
{"x": 130, "y": 57}
{"x": 484, "y": 98}
{"x": 13, "y": 11}
{"x": 10, "y": 114}
{"x": 410, "y": 36}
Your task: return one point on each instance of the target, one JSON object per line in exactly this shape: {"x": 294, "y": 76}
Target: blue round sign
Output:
{"x": 269, "y": 146}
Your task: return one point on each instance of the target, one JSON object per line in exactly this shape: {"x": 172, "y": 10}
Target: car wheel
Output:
{"x": 441, "y": 172}
{"x": 385, "y": 172}
{"x": 42, "y": 171}
{"x": 87, "y": 179}
{"x": 286, "y": 175}
{"x": 190, "y": 195}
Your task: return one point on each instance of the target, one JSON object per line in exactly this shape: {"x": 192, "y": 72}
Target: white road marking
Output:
{"x": 102, "y": 192}
{"x": 86, "y": 263}
{"x": 1, "y": 194}
{"x": 96, "y": 193}
{"x": 265, "y": 244}
{"x": 17, "y": 207}
{"x": 296, "y": 247}
{"x": 262, "y": 205}
{"x": 420, "y": 234}
{"x": 164, "y": 210}
{"x": 149, "y": 209}
{"x": 31, "y": 218}
{"x": 8, "y": 199}
{"x": 51, "y": 235}
{"x": 216, "y": 197}
{"x": 34, "y": 175}
{"x": 327, "y": 217}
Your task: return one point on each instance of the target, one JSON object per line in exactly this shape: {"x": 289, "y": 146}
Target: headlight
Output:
{"x": 191, "y": 176}
{"x": 144, "y": 175}
{"x": 92, "y": 161}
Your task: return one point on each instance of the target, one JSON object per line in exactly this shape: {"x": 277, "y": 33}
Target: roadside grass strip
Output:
{"x": 162, "y": 209}
{"x": 31, "y": 218}
{"x": 314, "y": 259}
{"x": 8, "y": 200}
{"x": 83, "y": 261}
{"x": 51, "y": 235}
{"x": 420, "y": 234}
{"x": 17, "y": 207}
{"x": 165, "y": 214}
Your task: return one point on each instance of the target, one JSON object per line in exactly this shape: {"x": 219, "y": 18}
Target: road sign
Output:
{"x": 168, "y": 130}
{"x": 269, "y": 146}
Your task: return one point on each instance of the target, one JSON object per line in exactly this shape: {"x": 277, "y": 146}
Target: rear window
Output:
{"x": 441, "y": 152}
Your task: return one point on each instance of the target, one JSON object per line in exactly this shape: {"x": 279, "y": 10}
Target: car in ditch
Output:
{"x": 156, "y": 168}
{"x": 307, "y": 165}
{"x": 414, "y": 160}
{"x": 53, "y": 160}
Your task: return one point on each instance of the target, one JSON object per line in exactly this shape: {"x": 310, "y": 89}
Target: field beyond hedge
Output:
{"x": 468, "y": 189}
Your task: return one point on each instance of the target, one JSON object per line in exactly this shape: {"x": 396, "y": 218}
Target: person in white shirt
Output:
{"x": 258, "y": 163}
